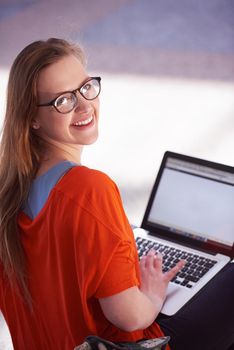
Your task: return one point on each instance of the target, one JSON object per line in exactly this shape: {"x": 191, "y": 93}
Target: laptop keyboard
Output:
{"x": 195, "y": 268}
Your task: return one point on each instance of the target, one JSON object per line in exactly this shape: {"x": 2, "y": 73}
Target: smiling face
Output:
{"x": 70, "y": 131}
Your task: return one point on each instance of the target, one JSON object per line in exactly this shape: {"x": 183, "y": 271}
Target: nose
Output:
{"x": 82, "y": 103}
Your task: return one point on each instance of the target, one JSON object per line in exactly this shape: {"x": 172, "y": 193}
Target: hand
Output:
{"x": 101, "y": 346}
{"x": 154, "y": 282}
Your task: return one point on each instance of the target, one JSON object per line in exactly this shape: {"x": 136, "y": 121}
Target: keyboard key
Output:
{"x": 192, "y": 278}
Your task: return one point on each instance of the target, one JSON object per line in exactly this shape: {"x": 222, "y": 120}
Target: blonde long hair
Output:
{"x": 21, "y": 149}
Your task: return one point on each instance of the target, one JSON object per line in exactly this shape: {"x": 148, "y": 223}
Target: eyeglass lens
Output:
{"x": 66, "y": 102}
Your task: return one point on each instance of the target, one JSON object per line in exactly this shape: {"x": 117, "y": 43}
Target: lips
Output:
{"x": 83, "y": 122}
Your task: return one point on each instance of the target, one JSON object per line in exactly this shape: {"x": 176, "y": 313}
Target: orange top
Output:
{"x": 79, "y": 248}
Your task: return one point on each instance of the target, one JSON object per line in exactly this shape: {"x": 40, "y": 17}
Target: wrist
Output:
{"x": 155, "y": 299}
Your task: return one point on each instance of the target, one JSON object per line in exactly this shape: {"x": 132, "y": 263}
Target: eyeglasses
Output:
{"x": 68, "y": 100}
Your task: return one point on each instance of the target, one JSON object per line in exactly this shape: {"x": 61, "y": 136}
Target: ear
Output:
{"x": 35, "y": 125}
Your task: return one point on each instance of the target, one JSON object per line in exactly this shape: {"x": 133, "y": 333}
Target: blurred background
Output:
{"x": 167, "y": 69}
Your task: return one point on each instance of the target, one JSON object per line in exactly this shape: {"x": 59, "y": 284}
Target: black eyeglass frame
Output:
{"x": 52, "y": 103}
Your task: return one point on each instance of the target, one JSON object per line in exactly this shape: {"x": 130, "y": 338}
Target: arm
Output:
{"x": 129, "y": 310}
{"x": 137, "y": 308}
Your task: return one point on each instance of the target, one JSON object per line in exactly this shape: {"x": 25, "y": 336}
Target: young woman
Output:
{"x": 68, "y": 261}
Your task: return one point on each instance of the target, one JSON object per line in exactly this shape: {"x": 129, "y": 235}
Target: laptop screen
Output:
{"x": 194, "y": 201}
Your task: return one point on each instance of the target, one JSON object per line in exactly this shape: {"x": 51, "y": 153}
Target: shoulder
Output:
{"x": 89, "y": 202}
{"x": 84, "y": 184}
{"x": 95, "y": 194}
{"x": 85, "y": 179}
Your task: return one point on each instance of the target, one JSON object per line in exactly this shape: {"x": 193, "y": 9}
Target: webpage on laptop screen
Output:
{"x": 195, "y": 201}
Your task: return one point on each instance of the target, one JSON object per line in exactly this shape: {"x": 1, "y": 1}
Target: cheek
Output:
{"x": 52, "y": 125}
{"x": 96, "y": 106}
{"x": 42, "y": 116}
{"x": 50, "y": 119}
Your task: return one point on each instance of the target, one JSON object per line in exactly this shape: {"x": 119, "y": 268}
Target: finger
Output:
{"x": 142, "y": 262}
{"x": 158, "y": 259}
{"x": 151, "y": 252}
{"x": 149, "y": 262}
{"x": 169, "y": 275}
{"x": 101, "y": 346}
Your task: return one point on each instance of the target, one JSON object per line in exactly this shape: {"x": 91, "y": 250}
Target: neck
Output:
{"x": 56, "y": 155}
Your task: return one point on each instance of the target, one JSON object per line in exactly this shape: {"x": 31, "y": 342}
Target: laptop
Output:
{"x": 189, "y": 216}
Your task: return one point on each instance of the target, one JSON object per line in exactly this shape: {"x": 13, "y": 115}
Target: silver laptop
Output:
{"x": 189, "y": 216}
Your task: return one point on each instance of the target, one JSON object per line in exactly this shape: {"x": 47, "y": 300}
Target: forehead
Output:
{"x": 66, "y": 74}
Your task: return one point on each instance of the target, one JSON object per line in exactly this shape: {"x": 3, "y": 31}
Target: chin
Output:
{"x": 91, "y": 140}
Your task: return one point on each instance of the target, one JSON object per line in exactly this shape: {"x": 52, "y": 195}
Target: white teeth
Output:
{"x": 84, "y": 122}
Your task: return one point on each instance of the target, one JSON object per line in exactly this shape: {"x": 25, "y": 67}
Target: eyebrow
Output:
{"x": 63, "y": 92}
{"x": 56, "y": 95}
